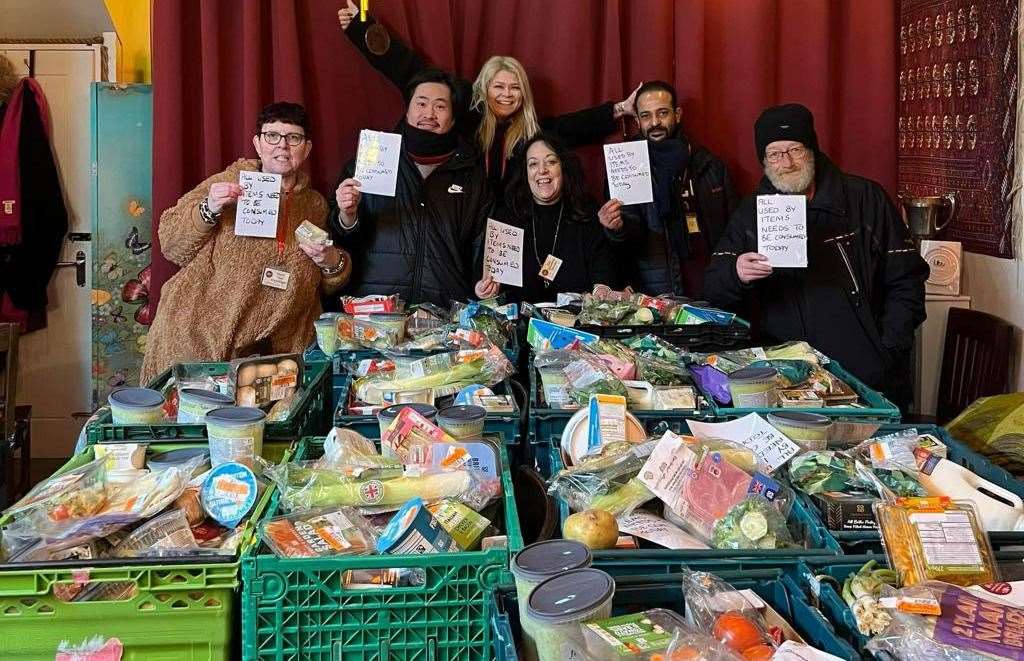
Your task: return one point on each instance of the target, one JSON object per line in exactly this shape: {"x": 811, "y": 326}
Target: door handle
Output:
{"x": 79, "y": 265}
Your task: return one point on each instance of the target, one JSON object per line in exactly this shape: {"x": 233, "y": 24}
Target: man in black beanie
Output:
{"x": 861, "y": 296}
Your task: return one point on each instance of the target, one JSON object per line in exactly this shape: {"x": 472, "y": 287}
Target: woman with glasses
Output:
{"x": 496, "y": 111}
{"x": 242, "y": 295}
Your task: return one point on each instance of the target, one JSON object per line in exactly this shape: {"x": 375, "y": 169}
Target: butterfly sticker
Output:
{"x": 117, "y": 379}
{"x": 117, "y": 315}
{"x": 110, "y": 267}
{"x": 133, "y": 243}
{"x": 135, "y": 208}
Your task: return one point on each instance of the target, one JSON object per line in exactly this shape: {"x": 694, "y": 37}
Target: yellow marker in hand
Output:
{"x": 363, "y": 6}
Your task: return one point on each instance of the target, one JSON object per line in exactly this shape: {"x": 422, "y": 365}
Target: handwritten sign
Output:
{"x": 628, "y": 167}
{"x": 377, "y": 162}
{"x": 770, "y": 446}
{"x": 503, "y": 253}
{"x": 782, "y": 229}
{"x": 258, "y": 205}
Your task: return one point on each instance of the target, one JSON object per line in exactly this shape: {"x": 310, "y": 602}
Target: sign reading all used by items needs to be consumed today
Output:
{"x": 628, "y": 166}
{"x": 377, "y": 162}
{"x": 258, "y": 205}
{"x": 782, "y": 229}
{"x": 503, "y": 253}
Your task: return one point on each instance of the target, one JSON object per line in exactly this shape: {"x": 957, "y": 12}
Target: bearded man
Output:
{"x": 861, "y": 296}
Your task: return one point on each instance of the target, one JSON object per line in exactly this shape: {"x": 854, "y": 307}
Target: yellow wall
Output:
{"x": 131, "y": 20}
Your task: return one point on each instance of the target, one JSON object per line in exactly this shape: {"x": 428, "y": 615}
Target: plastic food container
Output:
{"x": 327, "y": 334}
{"x": 229, "y": 493}
{"x": 179, "y": 458}
{"x": 753, "y": 387}
{"x": 638, "y": 636}
{"x": 388, "y": 415}
{"x": 558, "y": 606}
{"x": 136, "y": 406}
{"x": 463, "y": 421}
{"x": 535, "y": 564}
{"x": 413, "y": 529}
{"x": 808, "y": 430}
{"x": 195, "y": 403}
{"x": 236, "y": 434}
{"x": 167, "y": 531}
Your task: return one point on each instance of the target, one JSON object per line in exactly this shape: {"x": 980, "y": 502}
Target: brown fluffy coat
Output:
{"x": 215, "y": 308}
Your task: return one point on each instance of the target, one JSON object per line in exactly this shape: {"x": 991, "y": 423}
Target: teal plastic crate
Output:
{"x": 310, "y": 416}
{"x": 667, "y": 561}
{"x": 545, "y": 423}
{"x": 298, "y": 609}
{"x": 878, "y": 407}
{"x": 509, "y": 425}
{"x": 777, "y": 586}
{"x": 869, "y": 541}
{"x": 343, "y": 356}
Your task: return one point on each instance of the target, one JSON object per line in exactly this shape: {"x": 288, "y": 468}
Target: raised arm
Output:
{"x": 183, "y": 232}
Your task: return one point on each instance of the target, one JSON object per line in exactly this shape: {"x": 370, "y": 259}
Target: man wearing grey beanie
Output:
{"x": 861, "y": 295}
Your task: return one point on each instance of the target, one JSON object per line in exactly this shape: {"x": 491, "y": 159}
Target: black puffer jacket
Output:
{"x": 421, "y": 243}
{"x": 651, "y": 260}
{"x": 862, "y": 294}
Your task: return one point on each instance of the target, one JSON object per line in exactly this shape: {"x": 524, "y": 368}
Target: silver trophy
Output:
{"x": 927, "y": 216}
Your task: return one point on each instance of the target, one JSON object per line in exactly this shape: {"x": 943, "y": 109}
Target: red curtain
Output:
{"x": 217, "y": 62}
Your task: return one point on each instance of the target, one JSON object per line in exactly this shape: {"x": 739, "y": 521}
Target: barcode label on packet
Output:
{"x": 948, "y": 540}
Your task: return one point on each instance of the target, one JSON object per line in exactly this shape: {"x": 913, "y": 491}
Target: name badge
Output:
{"x": 549, "y": 269}
{"x": 276, "y": 278}
{"x": 691, "y": 223}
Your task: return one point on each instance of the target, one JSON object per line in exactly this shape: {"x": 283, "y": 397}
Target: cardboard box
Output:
{"x": 847, "y": 511}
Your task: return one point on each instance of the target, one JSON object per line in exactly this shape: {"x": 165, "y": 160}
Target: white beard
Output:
{"x": 793, "y": 182}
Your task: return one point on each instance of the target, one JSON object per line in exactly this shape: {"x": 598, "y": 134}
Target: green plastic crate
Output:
{"x": 506, "y": 424}
{"x": 182, "y": 609}
{"x": 869, "y": 541}
{"x": 298, "y": 609}
{"x": 312, "y": 414}
{"x": 878, "y": 407}
{"x": 545, "y": 422}
{"x": 666, "y": 561}
{"x": 778, "y": 587}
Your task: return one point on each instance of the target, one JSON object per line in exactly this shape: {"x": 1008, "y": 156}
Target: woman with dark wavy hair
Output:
{"x": 546, "y": 198}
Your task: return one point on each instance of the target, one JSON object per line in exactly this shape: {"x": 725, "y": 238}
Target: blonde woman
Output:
{"x": 496, "y": 111}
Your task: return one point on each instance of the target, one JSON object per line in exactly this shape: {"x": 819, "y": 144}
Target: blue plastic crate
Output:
{"x": 545, "y": 423}
{"x": 878, "y": 407}
{"x": 649, "y": 562}
{"x": 508, "y": 425}
{"x": 869, "y": 541}
{"x": 777, "y": 586}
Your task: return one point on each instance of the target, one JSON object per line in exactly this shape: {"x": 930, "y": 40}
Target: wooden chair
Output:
{"x": 977, "y": 361}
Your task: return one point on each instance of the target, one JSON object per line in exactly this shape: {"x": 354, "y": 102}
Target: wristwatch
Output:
{"x": 207, "y": 214}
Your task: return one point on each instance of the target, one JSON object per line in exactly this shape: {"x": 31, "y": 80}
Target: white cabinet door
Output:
{"x": 55, "y": 362}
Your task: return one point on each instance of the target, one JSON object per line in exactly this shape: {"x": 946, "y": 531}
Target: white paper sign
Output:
{"x": 656, "y": 529}
{"x": 503, "y": 253}
{"x": 770, "y": 446}
{"x": 782, "y": 229}
{"x": 256, "y": 214}
{"x": 377, "y": 162}
{"x": 666, "y": 471}
{"x": 628, "y": 167}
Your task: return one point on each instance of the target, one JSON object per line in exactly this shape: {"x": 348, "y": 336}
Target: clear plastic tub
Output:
{"x": 463, "y": 421}
{"x": 808, "y": 430}
{"x": 167, "y": 531}
{"x": 236, "y": 434}
{"x": 558, "y": 606}
{"x": 386, "y": 416}
{"x": 753, "y": 387}
{"x": 195, "y": 403}
{"x": 535, "y": 564}
{"x": 136, "y": 406}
